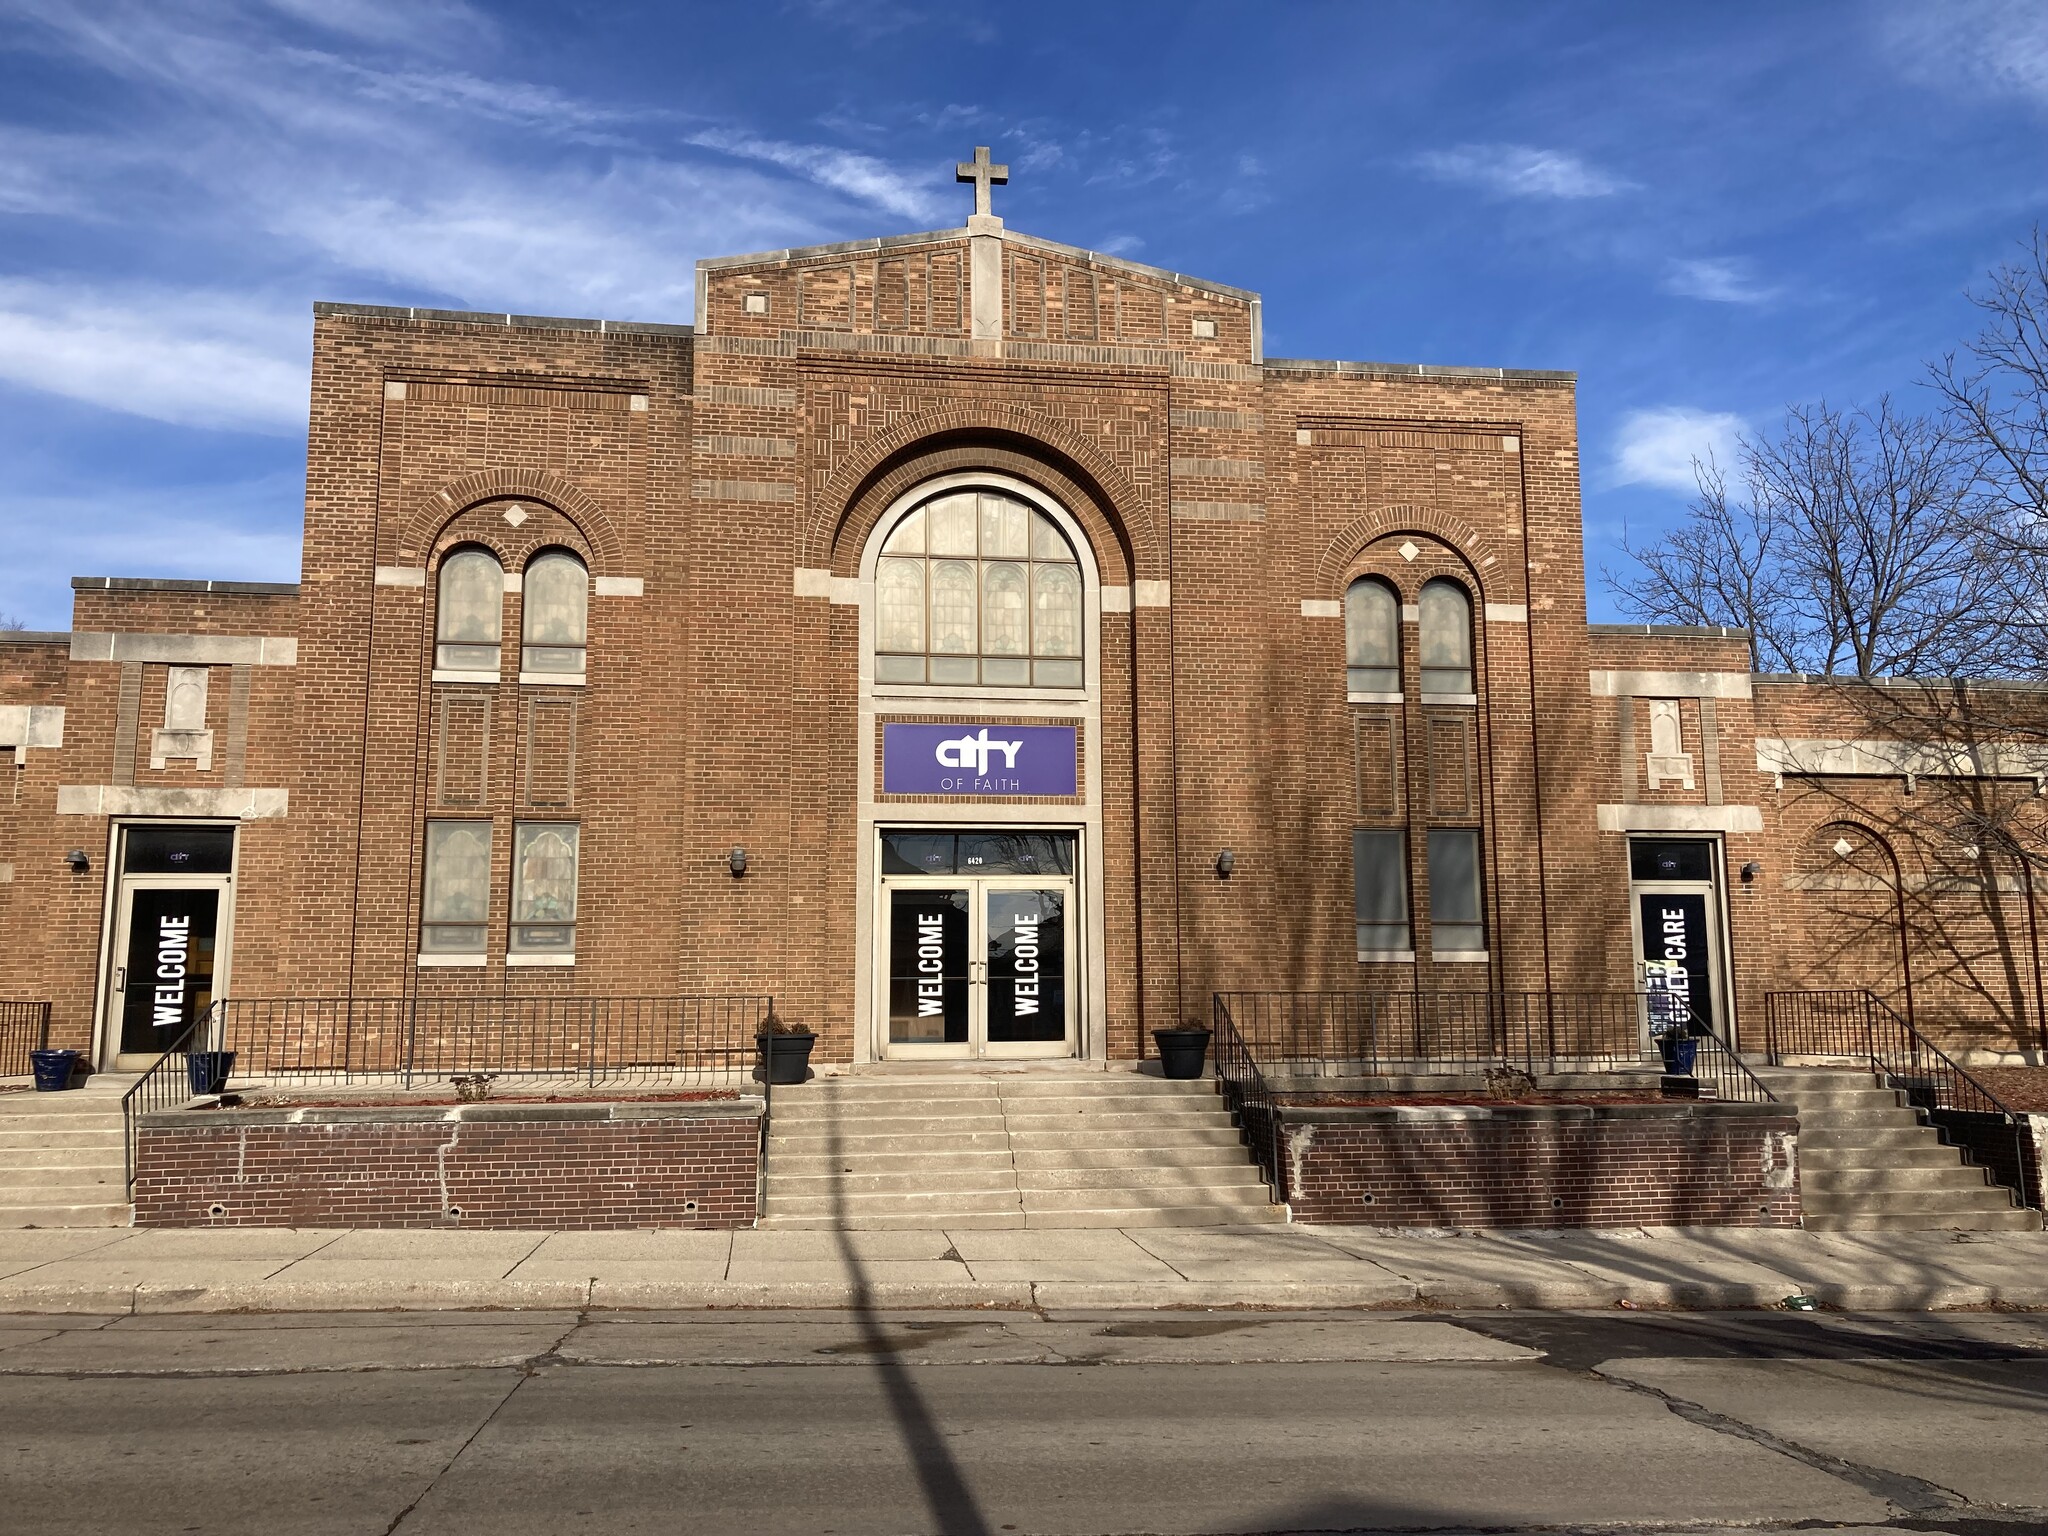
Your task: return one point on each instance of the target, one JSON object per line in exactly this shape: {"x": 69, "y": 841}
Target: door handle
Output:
{"x": 120, "y": 978}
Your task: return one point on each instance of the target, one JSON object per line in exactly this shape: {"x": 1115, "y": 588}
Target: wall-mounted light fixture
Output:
{"x": 79, "y": 860}
{"x": 1226, "y": 861}
{"x": 736, "y": 861}
{"x": 1750, "y": 871}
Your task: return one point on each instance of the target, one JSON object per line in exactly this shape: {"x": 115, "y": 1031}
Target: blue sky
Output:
{"x": 1708, "y": 210}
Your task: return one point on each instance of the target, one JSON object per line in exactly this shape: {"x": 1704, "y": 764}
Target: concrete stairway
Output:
{"x": 1008, "y": 1150}
{"x": 1868, "y": 1163}
{"x": 61, "y": 1157}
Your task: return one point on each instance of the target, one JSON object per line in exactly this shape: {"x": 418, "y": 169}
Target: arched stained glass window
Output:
{"x": 1372, "y": 637}
{"x": 978, "y": 587}
{"x": 555, "y": 603}
{"x": 469, "y": 612}
{"x": 1446, "y": 638}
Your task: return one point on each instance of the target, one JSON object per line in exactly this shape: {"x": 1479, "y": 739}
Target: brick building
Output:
{"x": 982, "y": 646}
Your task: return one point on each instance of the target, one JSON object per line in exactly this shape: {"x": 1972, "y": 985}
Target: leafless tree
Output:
{"x": 1845, "y": 546}
{"x": 9, "y": 624}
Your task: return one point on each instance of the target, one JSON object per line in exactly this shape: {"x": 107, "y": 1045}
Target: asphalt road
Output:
{"x": 967, "y": 1423}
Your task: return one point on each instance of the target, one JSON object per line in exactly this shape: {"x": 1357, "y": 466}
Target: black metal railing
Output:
{"x": 1245, "y": 1094}
{"x": 1729, "y": 1077}
{"x": 679, "y": 1041}
{"x": 24, "y": 1027}
{"x": 1855, "y": 1025}
{"x": 164, "y": 1085}
{"x": 1374, "y": 1034}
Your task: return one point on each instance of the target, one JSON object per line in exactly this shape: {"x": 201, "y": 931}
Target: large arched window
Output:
{"x": 555, "y": 604}
{"x": 1372, "y": 637}
{"x": 978, "y": 587}
{"x": 1446, "y": 638}
{"x": 469, "y": 612}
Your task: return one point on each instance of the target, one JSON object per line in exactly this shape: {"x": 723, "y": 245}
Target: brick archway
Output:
{"x": 430, "y": 516}
{"x": 1474, "y": 548}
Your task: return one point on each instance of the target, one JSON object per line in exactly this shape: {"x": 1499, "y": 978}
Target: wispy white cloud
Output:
{"x": 1520, "y": 170}
{"x": 861, "y": 176}
{"x": 1658, "y": 447}
{"x": 1970, "y": 47}
{"x": 1717, "y": 279}
{"x": 195, "y": 359}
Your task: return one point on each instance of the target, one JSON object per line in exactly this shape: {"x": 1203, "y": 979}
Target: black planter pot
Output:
{"x": 1181, "y": 1051}
{"x": 52, "y": 1069}
{"x": 1678, "y": 1052}
{"x": 207, "y": 1072}
{"x": 786, "y": 1058}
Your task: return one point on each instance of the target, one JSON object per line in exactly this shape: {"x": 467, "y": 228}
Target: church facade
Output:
{"x": 982, "y": 646}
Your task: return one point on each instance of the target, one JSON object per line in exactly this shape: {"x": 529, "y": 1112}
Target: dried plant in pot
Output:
{"x": 785, "y": 1046}
{"x": 1182, "y": 1049}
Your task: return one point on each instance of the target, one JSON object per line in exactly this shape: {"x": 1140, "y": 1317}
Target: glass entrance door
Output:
{"x": 169, "y": 955}
{"x": 1678, "y": 933}
{"x": 979, "y": 959}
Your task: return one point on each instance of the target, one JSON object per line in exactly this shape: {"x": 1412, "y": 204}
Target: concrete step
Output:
{"x": 91, "y": 1214}
{"x": 1191, "y": 1215}
{"x": 10, "y": 1139}
{"x": 995, "y": 1180}
{"x": 1874, "y": 1139}
{"x": 908, "y": 1221}
{"x": 891, "y": 1124}
{"x": 1075, "y": 1139}
{"x": 2009, "y": 1220}
{"x": 1233, "y": 1176}
{"x": 1109, "y": 1085}
{"x": 1846, "y": 1181}
{"x": 869, "y": 1090}
{"x": 1159, "y": 1197}
{"x": 1163, "y": 1107}
{"x": 1115, "y": 1120}
{"x": 44, "y": 1175}
{"x": 1875, "y": 1116}
{"x": 960, "y": 1203}
{"x": 1906, "y": 1202}
{"x": 1926, "y": 1154}
{"x": 1230, "y": 1154}
{"x": 924, "y": 1145}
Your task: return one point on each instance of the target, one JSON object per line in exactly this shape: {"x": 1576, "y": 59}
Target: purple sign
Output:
{"x": 978, "y": 759}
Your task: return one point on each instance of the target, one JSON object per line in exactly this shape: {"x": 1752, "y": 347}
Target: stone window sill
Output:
{"x": 991, "y": 692}
{"x": 1463, "y": 957}
{"x": 1450, "y": 698}
{"x": 551, "y": 679}
{"x": 548, "y": 959}
{"x": 1386, "y": 957}
{"x": 426, "y": 960}
{"x": 1374, "y": 698}
{"x": 456, "y": 675}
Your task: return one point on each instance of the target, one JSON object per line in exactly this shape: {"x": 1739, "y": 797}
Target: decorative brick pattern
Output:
{"x": 602, "y": 1167}
{"x": 1513, "y": 1166}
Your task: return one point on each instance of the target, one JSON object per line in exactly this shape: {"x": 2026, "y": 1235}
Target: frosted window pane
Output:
{"x": 908, "y": 539}
{"x": 1005, "y": 528}
{"x": 472, "y": 599}
{"x": 1446, "y": 626}
{"x": 556, "y": 601}
{"x": 1056, "y": 615}
{"x": 1002, "y": 610}
{"x": 1372, "y": 625}
{"x": 1047, "y": 542}
{"x": 952, "y": 525}
{"x": 899, "y": 605}
{"x": 544, "y": 874}
{"x": 458, "y": 871}
{"x": 953, "y": 584}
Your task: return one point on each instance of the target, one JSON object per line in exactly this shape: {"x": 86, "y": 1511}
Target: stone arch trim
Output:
{"x": 1475, "y": 548}
{"x": 435, "y": 512}
{"x": 1047, "y": 453}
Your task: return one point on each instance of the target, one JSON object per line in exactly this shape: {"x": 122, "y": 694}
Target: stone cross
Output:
{"x": 981, "y": 173}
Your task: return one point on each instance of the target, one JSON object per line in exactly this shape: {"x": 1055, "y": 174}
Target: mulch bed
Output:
{"x": 2016, "y": 1087}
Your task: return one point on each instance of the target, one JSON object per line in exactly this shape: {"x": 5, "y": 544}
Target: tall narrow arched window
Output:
{"x": 469, "y": 612}
{"x": 1446, "y": 638}
{"x": 978, "y": 587}
{"x": 555, "y": 604}
{"x": 1372, "y": 637}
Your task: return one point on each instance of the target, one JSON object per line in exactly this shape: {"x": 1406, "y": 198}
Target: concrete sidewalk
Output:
{"x": 279, "y": 1270}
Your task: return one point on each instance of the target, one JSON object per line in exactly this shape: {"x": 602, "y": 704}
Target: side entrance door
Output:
{"x": 173, "y": 908}
{"x": 1676, "y": 904}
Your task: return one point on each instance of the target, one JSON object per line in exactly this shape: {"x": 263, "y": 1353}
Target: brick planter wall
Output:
{"x": 537, "y": 1166}
{"x": 1545, "y": 1166}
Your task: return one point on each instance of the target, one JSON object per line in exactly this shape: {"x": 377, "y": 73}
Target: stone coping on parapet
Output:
{"x": 1009, "y": 236}
{"x": 169, "y": 584}
{"x": 209, "y": 1118}
{"x": 1898, "y": 684}
{"x": 1670, "y": 631}
{"x": 324, "y": 309}
{"x": 1530, "y": 1114}
{"x": 1418, "y": 371}
{"x": 35, "y": 637}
